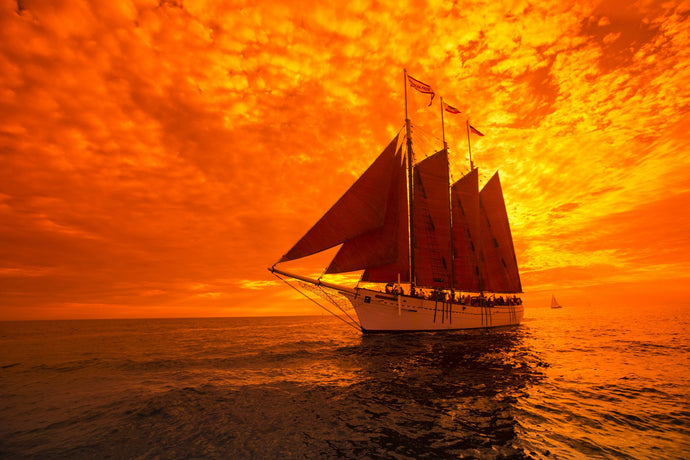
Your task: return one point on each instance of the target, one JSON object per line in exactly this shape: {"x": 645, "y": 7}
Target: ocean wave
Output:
{"x": 285, "y": 389}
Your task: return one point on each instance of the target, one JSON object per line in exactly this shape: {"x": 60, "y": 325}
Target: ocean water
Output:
{"x": 574, "y": 383}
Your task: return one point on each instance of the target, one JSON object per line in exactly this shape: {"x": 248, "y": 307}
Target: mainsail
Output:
{"x": 432, "y": 222}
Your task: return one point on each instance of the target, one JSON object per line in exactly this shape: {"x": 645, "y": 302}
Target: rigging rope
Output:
{"x": 353, "y": 324}
{"x": 334, "y": 302}
{"x": 428, "y": 140}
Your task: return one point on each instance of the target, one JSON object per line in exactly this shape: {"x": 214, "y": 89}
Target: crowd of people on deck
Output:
{"x": 457, "y": 297}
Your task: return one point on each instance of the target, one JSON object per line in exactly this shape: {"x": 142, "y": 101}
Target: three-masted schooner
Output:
{"x": 444, "y": 252}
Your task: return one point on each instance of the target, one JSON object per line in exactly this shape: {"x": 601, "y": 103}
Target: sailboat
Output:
{"x": 433, "y": 255}
{"x": 554, "y": 302}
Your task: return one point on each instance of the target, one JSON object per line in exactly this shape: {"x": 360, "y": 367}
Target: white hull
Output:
{"x": 379, "y": 312}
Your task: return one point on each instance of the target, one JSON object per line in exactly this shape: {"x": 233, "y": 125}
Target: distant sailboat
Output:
{"x": 403, "y": 222}
{"x": 554, "y": 302}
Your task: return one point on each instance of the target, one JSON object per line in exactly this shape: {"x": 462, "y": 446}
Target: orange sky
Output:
{"x": 156, "y": 157}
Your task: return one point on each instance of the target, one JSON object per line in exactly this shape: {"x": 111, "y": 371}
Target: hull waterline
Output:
{"x": 378, "y": 312}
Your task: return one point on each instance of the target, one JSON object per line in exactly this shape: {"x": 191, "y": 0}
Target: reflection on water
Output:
{"x": 561, "y": 385}
{"x": 440, "y": 395}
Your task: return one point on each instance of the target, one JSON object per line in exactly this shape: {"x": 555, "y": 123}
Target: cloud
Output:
{"x": 257, "y": 285}
{"x": 147, "y": 147}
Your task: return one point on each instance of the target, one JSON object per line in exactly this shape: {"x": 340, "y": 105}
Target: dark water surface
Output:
{"x": 569, "y": 383}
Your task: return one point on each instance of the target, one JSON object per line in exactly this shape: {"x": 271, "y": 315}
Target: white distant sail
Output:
{"x": 554, "y": 302}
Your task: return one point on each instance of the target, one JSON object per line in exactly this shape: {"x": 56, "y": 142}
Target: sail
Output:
{"x": 432, "y": 222}
{"x": 381, "y": 245}
{"x": 396, "y": 234}
{"x": 360, "y": 209}
{"x": 465, "y": 205}
{"x": 554, "y": 302}
{"x": 500, "y": 268}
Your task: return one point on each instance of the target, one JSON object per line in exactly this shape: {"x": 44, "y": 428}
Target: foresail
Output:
{"x": 396, "y": 236}
{"x": 382, "y": 245}
{"x": 432, "y": 222}
{"x": 466, "y": 241}
{"x": 361, "y": 209}
{"x": 500, "y": 268}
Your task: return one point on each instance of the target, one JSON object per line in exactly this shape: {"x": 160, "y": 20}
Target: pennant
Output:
{"x": 474, "y": 130}
{"x": 450, "y": 108}
{"x": 421, "y": 87}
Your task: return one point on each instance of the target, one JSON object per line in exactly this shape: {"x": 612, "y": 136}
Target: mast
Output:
{"x": 450, "y": 213}
{"x": 443, "y": 127}
{"x": 469, "y": 147}
{"x": 410, "y": 188}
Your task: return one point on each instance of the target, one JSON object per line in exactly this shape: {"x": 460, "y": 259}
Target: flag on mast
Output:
{"x": 450, "y": 108}
{"x": 421, "y": 87}
{"x": 475, "y": 131}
